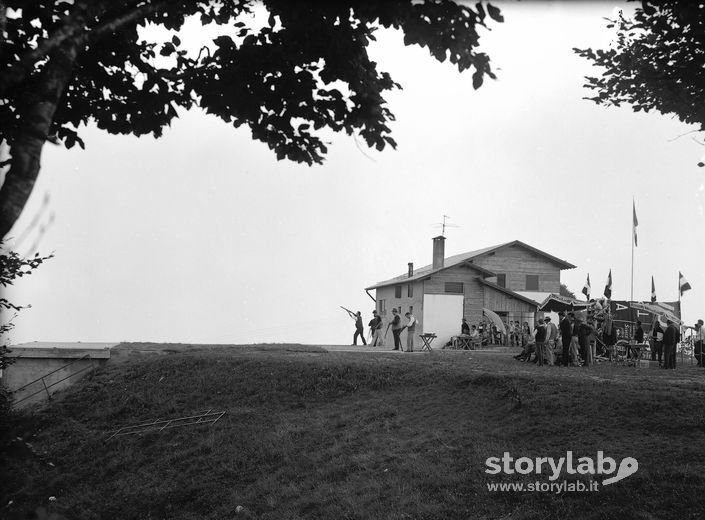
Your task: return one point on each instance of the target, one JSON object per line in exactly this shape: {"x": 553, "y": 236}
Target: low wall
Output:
{"x": 39, "y": 372}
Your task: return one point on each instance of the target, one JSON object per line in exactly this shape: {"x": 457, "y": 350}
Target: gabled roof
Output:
{"x": 508, "y": 292}
{"x": 561, "y": 263}
{"x": 467, "y": 260}
{"x": 427, "y": 271}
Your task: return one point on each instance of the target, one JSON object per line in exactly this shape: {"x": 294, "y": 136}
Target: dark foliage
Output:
{"x": 12, "y": 267}
{"x": 281, "y": 80}
{"x": 68, "y": 63}
{"x": 657, "y": 62}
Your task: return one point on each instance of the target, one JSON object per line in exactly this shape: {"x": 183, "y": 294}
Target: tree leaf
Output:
{"x": 494, "y": 13}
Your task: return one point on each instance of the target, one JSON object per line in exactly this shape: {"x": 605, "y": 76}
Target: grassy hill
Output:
{"x": 311, "y": 434}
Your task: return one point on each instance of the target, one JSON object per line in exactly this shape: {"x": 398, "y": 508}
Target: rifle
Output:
{"x": 351, "y": 313}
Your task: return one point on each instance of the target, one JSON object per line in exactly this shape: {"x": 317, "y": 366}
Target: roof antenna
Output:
{"x": 443, "y": 225}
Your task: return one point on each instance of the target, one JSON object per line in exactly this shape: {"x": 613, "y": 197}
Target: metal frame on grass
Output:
{"x": 208, "y": 417}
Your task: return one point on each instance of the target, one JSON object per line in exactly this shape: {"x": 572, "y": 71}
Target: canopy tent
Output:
{"x": 557, "y": 303}
{"x": 495, "y": 319}
{"x": 661, "y": 312}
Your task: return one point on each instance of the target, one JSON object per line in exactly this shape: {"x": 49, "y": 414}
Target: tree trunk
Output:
{"x": 38, "y": 107}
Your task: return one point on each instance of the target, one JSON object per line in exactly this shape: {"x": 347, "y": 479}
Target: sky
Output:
{"x": 202, "y": 236}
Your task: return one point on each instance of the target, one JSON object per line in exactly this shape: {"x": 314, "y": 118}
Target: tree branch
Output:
{"x": 72, "y": 26}
{"x": 115, "y": 24}
{"x": 18, "y": 72}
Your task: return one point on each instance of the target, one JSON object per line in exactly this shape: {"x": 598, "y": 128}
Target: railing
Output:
{"x": 44, "y": 383}
{"x": 206, "y": 417}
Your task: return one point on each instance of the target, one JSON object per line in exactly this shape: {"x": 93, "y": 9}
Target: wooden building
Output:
{"x": 510, "y": 279}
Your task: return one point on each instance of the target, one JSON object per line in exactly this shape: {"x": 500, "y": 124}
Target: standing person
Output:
{"x": 359, "y": 329}
{"x": 638, "y": 337}
{"x": 410, "y": 330}
{"x": 670, "y": 339}
{"x": 551, "y": 337}
{"x": 566, "y": 333}
{"x": 609, "y": 335}
{"x": 526, "y": 336}
{"x": 465, "y": 328}
{"x": 639, "y": 333}
{"x": 699, "y": 343}
{"x": 579, "y": 328}
{"x": 397, "y": 327}
{"x": 540, "y": 338}
{"x": 574, "y": 339}
{"x": 591, "y": 341}
{"x": 376, "y": 329}
{"x": 510, "y": 332}
{"x": 657, "y": 339}
{"x": 584, "y": 331}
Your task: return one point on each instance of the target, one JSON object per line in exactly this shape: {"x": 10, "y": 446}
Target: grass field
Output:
{"x": 315, "y": 434}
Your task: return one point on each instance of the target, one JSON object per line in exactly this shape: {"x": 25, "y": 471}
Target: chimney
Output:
{"x": 411, "y": 269}
{"x": 439, "y": 251}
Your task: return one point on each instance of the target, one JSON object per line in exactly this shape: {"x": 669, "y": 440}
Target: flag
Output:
{"x": 587, "y": 288}
{"x": 653, "y": 291}
{"x": 635, "y": 222}
{"x": 683, "y": 284}
{"x": 608, "y": 285}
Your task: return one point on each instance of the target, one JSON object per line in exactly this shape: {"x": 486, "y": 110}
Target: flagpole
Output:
{"x": 631, "y": 291}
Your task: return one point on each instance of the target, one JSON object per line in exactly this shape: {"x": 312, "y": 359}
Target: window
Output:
{"x": 532, "y": 282}
{"x": 454, "y": 287}
{"x": 383, "y": 307}
{"x": 397, "y": 291}
{"x": 502, "y": 280}
{"x": 410, "y": 291}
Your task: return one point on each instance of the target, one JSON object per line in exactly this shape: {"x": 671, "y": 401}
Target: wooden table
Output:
{"x": 463, "y": 342}
{"x": 427, "y": 339}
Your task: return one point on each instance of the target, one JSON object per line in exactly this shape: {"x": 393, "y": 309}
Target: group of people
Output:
{"x": 699, "y": 343}
{"x": 541, "y": 342}
{"x": 662, "y": 342}
{"x": 574, "y": 342}
{"x": 518, "y": 334}
{"x": 377, "y": 338}
{"x": 485, "y": 333}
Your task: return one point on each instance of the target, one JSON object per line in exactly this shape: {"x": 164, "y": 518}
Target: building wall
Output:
{"x": 59, "y": 369}
{"x": 387, "y": 300}
{"x": 477, "y": 296}
{"x": 516, "y": 262}
{"x": 507, "y": 307}
{"x": 473, "y": 291}
{"x": 500, "y": 302}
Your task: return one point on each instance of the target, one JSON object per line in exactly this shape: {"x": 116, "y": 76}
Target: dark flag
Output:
{"x": 587, "y": 288}
{"x": 653, "y": 291}
{"x": 683, "y": 283}
{"x": 635, "y": 222}
{"x": 608, "y": 285}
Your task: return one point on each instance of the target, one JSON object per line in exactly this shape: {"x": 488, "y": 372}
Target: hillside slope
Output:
{"x": 310, "y": 434}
